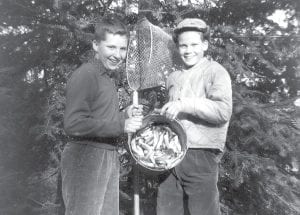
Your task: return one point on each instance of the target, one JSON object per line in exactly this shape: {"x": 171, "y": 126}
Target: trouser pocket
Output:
{"x": 199, "y": 161}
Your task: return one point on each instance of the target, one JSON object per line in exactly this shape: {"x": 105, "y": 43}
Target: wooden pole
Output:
{"x": 136, "y": 187}
{"x": 136, "y": 195}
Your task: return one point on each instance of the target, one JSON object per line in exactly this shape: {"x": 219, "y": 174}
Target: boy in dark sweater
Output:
{"x": 90, "y": 165}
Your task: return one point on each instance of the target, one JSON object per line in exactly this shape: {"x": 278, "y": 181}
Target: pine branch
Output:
{"x": 44, "y": 179}
{"x": 281, "y": 199}
{"x": 124, "y": 195}
{"x": 228, "y": 32}
{"x": 23, "y": 6}
{"x": 36, "y": 202}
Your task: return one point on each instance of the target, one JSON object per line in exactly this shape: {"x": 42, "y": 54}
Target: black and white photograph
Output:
{"x": 149, "y": 107}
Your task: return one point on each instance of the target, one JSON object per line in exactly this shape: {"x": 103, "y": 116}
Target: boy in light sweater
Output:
{"x": 201, "y": 99}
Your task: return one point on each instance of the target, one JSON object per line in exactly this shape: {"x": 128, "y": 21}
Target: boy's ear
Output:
{"x": 95, "y": 45}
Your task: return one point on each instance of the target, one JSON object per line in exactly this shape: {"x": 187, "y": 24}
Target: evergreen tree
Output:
{"x": 42, "y": 42}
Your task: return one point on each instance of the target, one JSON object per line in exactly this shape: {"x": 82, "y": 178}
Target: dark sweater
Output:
{"x": 92, "y": 105}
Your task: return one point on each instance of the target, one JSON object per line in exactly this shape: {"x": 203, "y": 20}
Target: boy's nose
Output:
{"x": 117, "y": 53}
{"x": 188, "y": 49}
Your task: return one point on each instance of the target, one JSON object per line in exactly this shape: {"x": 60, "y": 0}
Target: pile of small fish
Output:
{"x": 157, "y": 147}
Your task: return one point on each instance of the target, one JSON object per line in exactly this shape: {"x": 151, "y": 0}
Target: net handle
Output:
{"x": 135, "y": 98}
{"x": 151, "y": 42}
{"x": 136, "y": 175}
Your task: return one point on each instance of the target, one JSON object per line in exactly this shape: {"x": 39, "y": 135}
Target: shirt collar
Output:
{"x": 101, "y": 68}
{"x": 197, "y": 65}
{"x": 115, "y": 75}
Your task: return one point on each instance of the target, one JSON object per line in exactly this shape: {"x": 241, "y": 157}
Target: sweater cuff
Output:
{"x": 123, "y": 116}
{"x": 125, "y": 113}
{"x": 187, "y": 105}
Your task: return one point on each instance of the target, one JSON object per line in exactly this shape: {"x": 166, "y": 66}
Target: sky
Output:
{"x": 280, "y": 16}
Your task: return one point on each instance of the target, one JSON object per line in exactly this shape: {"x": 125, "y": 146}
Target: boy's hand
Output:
{"x": 132, "y": 124}
{"x": 135, "y": 110}
{"x": 171, "y": 109}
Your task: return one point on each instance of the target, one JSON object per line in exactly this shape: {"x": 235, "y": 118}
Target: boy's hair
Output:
{"x": 109, "y": 24}
{"x": 192, "y": 24}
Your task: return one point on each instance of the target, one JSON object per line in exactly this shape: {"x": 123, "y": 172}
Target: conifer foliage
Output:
{"x": 42, "y": 42}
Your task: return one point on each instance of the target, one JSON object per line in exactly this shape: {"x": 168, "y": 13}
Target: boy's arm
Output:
{"x": 217, "y": 107}
{"x": 78, "y": 119}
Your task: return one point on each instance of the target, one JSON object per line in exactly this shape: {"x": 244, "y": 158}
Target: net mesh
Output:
{"x": 151, "y": 56}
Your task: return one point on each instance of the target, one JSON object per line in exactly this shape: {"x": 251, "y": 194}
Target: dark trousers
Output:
{"x": 90, "y": 180}
{"x": 191, "y": 187}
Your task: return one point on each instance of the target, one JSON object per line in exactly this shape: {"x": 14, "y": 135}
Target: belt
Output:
{"x": 214, "y": 151}
{"x": 108, "y": 143}
{"x": 110, "y": 140}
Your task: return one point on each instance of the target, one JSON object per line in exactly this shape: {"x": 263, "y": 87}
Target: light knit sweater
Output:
{"x": 206, "y": 97}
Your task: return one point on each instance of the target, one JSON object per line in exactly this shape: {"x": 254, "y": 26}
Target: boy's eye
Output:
{"x": 111, "y": 47}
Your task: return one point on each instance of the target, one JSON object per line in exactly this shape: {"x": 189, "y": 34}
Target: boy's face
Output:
{"x": 191, "y": 47}
{"x": 111, "y": 51}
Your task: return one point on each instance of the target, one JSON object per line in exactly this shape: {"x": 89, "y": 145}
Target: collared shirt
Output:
{"x": 92, "y": 104}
